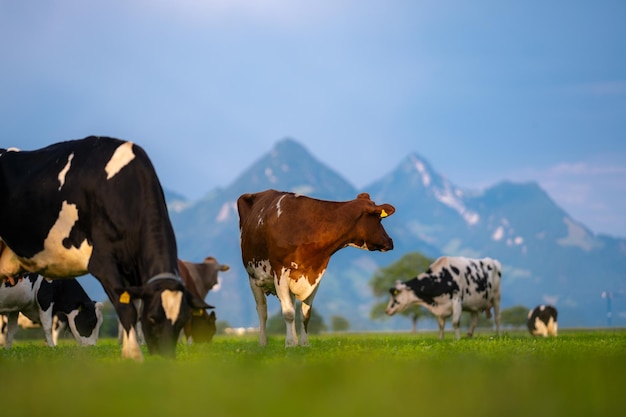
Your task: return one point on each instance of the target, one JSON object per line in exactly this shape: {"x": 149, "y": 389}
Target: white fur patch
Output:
{"x": 364, "y": 247}
{"x": 278, "y": 209}
{"x": 171, "y": 302}
{"x": 55, "y": 259}
{"x": 302, "y": 288}
{"x": 65, "y": 170}
{"x": 121, "y": 157}
{"x": 130, "y": 346}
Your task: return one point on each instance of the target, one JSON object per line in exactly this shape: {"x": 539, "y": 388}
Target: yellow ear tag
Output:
{"x": 125, "y": 297}
{"x": 383, "y": 214}
{"x": 197, "y": 312}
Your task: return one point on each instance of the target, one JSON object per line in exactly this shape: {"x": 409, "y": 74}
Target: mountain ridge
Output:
{"x": 547, "y": 255}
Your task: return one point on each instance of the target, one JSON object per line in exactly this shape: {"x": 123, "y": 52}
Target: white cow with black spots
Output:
{"x": 41, "y": 300}
{"x": 452, "y": 285}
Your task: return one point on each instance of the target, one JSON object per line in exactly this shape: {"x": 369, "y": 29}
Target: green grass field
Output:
{"x": 580, "y": 373}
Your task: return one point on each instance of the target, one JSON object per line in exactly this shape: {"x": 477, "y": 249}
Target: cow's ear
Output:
{"x": 382, "y": 211}
{"x": 364, "y": 196}
{"x": 385, "y": 210}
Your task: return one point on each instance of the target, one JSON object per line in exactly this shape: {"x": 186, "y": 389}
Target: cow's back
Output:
{"x": 478, "y": 280}
{"x": 109, "y": 190}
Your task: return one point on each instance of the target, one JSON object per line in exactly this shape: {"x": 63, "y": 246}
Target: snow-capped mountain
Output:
{"x": 547, "y": 256}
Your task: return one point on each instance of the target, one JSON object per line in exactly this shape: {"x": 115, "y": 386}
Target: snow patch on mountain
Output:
{"x": 453, "y": 198}
{"x": 577, "y": 236}
{"x": 270, "y": 175}
{"x": 225, "y": 211}
{"x": 421, "y": 168}
{"x": 178, "y": 206}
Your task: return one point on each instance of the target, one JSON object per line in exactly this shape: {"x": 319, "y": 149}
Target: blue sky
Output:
{"x": 485, "y": 90}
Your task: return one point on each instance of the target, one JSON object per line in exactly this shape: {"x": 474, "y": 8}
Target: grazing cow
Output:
{"x": 40, "y": 300}
{"x": 286, "y": 243}
{"x": 449, "y": 286}
{"x": 542, "y": 321}
{"x": 200, "y": 278}
{"x": 96, "y": 206}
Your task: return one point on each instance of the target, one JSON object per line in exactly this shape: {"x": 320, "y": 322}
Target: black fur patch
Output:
{"x": 427, "y": 287}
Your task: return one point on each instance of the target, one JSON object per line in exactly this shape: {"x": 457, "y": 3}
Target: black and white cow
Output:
{"x": 452, "y": 285}
{"x": 40, "y": 300}
{"x": 542, "y": 321}
{"x": 96, "y": 206}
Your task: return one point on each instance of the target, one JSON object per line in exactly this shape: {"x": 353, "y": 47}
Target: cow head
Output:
{"x": 167, "y": 306}
{"x": 401, "y": 297}
{"x": 370, "y": 233}
{"x": 203, "y": 326}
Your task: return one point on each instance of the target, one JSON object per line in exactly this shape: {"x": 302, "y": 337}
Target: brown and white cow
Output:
{"x": 452, "y": 285}
{"x": 287, "y": 240}
{"x": 200, "y": 278}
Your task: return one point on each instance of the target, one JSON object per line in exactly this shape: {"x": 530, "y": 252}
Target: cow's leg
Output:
{"x": 11, "y": 328}
{"x": 287, "y": 307}
{"x": 540, "y": 328}
{"x": 127, "y": 315}
{"x": 442, "y": 323}
{"x": 3, "y": 329}
{"x": 473, "y": 323}
{"x": 496, "y": 315}
{"x": 57, "y": 327}
{"x": 456, "y": 318}
{"x": 261, "y": 310}
{"x": 120, "y": 329}
{"x": 130, "y": 343}
{"x": 553, "y": 327}
{"x": 307, "y": 305}
{"x": 105, "y": 271}
{"x": 45, "y": 317}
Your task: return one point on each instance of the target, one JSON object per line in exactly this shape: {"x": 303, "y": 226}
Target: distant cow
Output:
{"x": 201, "y": 278}
{"x": 40, "y": 300}
{"x": 287, "y": 240}
{"x": 542, "y": 321}
{"x": 96, "y": 206}
{"x": 449, "y": 286}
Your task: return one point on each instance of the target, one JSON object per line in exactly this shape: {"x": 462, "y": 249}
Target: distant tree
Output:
{"x": 339, "y": 324}
{"x": 515, "y": 316}
{"x": 109, "y": 320}
{"x": 276, "y": 323}
{"x": 405, "y": 268}
{"x": 221, "y": 326}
